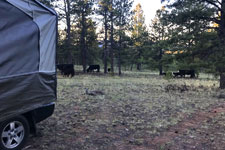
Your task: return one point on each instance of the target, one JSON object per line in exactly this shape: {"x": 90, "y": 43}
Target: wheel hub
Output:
{"x": 12, "y": 134}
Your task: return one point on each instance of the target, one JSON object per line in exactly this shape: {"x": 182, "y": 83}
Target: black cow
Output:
{"x": 176, "y": 74}
{"x": 66, "y": 69}
{"x": 182, "y": 73}
{"x": 187, "y": 72}
{"x": 92, "y": 68}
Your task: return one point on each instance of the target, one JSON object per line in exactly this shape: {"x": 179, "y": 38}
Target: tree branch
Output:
{"x": 210, "y": 19}
{"x": 218, "y": 2}
{"x": 214, "y": 4}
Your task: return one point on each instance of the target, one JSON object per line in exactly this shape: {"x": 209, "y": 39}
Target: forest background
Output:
{"x": 185, "y": 34}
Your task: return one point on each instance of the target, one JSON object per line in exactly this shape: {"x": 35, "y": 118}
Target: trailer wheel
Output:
{"x": 14, "y": 133}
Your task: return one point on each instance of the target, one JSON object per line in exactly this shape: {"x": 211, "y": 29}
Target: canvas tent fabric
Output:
{"x": 28, "y": 32}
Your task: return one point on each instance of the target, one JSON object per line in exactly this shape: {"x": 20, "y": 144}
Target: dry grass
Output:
{"x": 134, "y": 109}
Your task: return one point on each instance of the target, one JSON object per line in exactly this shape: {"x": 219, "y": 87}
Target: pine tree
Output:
{"x": 66, "y": 14}
{"x": 104, "y": 12}
{"x": 83, "y": 9}
{"x": 139, "y": 35}
{"x": 159, "y": 35}
{"x": 124, "y": 14}
{"x": 113, "y": 14}
{"x": 202, "y": 15}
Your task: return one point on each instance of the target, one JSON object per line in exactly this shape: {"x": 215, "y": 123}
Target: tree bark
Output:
{"x": 160, "y": 69}
{"x": 119, "y": 55}
{"x": 106, "y": 42}
{"x": 83, "y": 43}
{"x": 222, "y": 80}
{"x": 131, "y": 67}
{"x": 68, "y": 30}
{"x": 112, "y": 43}
{"x": 160, "y": 62}
{"x": 222, "y": 40}
{"x": 139, "y": 64}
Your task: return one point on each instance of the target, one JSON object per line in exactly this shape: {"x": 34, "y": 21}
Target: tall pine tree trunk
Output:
{"x": 160, "y": 69}
{"x": 120, "y": 45}
{"x": 119, "y": 54}
{"x": 139, "y": 64}
{"x": 106, "y": 42}
{"x": 112, "y": 44}
{"x": 131, "y": 67}
{"x": 160, "y": 62}
{"x": 222, "y": 38}
{"x": 68, "y": 31}
{"x": 222, "y": 80}
{"x": 83, "y": 43}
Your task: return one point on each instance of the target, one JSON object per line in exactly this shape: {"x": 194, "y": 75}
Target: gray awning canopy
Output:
{"x": 28, "y": 32}
{"x": 45, "y": 19}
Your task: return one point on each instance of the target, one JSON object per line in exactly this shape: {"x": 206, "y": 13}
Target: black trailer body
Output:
{"x": 28, "y": 31}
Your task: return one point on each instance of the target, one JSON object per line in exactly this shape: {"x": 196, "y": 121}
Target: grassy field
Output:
{"x": 138, "y": 111}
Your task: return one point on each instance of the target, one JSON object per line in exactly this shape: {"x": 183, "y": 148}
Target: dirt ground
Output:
{"x": 134, "y": 112}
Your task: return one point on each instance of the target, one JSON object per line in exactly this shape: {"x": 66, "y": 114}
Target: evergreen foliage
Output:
{"x": 200, "y": 32}
{"x": 185, "y": 34}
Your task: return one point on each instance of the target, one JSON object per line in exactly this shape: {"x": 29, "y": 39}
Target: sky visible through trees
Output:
{"x": 117, "y": 34}
{"x": 149, "y": 8}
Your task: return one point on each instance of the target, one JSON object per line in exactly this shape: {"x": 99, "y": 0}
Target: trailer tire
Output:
{"x": 14, "y": 133}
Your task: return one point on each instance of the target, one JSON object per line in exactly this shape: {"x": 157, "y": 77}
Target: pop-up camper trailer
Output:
{"x": 28, "y": 32}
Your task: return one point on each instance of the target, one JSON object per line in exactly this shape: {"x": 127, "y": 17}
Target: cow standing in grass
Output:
{"x": 92, "y": 68}
{"x": 66, "y": 69}
{"x": 182, "y": 73}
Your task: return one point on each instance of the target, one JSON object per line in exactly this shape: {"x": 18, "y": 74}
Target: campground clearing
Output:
{"x": 138, "y": 111}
